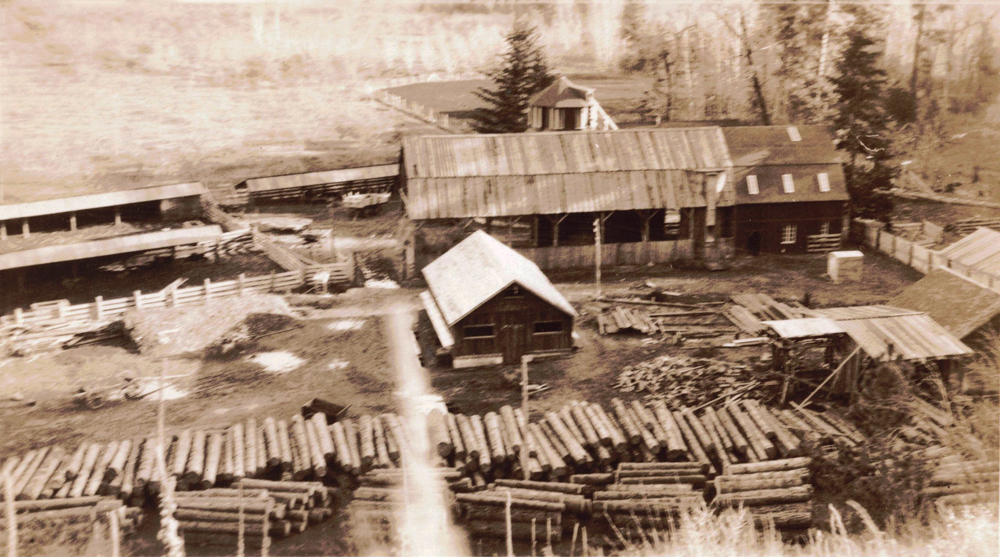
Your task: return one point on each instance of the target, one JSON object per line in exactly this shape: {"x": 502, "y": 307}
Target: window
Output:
{"x": 788, "y": 183}
{"x": 543, "y": 327}
{"x": 478, "y": 331}
{"x": 789, "y": 234}
{"x": 793, "y": 133}
{"x": 824, "y": 181}
{"x": 824, "y": 228}
{"x": 671, "y": 223}
{"x": 752, "y": 187}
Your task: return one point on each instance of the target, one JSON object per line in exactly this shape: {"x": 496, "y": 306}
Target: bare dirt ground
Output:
{"x": 341, "y": 363}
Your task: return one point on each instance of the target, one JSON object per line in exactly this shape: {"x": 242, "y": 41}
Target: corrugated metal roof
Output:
{"x": 979, "y": 250}
{"x": 773, "y": 145}
{"x": 437, "y": 320}
{"x": 110, "y": 246}
{"x": 290, "y": 181}
{"x": 957, "y": 303}
{"x": 456, "y": 156}
{"x": 913, "y": 337}
{"x": 98, "y": 200}
{"x": 524, "y": 174}
{"x": 863, "y": 312}
{"x": 805, "y": 328}
{"x": 806, "y": 180}
{"x": 477, "y": 269}
{"x": 563, "y": 93}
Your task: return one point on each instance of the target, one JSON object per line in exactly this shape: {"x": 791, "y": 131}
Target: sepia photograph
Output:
{"x": 499, "y": 278}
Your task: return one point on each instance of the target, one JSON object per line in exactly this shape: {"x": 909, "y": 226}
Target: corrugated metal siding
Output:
{"x": 98, "y": 200}
{"x": 979, "y": 250}
{"x": 476, "y": 269}
{"x": 323, "y": 177}
{"x": 564, "y": 153}
{"x": 913, "y": 337}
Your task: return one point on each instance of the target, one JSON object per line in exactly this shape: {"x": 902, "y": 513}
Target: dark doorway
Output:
{"x": 512, "y": 342}
{"x": 572, "y": 118}
{"x": 753, "y": 243}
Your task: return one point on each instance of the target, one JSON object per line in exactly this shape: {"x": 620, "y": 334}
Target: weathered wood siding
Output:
{"x": 634, "y": 253}
{"x": 769, "y": 219}
{"x": 513, "y": 318}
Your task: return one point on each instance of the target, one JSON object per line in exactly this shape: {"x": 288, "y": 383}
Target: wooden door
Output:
{"x": 512, "y": 340}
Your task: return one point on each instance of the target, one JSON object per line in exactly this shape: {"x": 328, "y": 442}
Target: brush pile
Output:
{"x": 686, "y": 381}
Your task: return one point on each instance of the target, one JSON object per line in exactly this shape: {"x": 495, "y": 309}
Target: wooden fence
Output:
{"x": 637, "y": 253}
{"x": 420, "y": 111}
{"x": 110, "y": 310}
{"x": 923, "y": 259}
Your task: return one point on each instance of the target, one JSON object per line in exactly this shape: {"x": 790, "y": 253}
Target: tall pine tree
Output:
{"x": 522, "y": 73}
{"x": 861, "y": 126}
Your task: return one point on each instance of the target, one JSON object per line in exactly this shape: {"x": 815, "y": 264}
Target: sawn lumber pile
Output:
{"x": 690, "y": 321}
{"x": 682, "y": 380}
{"x": 751, "y": 309}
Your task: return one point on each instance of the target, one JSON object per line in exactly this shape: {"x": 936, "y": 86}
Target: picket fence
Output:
{"x": 871, "y": 234}
{"x": 419, "y": 111}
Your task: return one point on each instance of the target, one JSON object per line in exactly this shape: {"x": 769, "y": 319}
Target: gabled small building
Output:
{"x": 565, "y": 106}
{"x": 490, "y": 305}
{"x": 790, "y": 192}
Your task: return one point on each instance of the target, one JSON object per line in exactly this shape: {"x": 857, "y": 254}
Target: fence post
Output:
{"x": 242, "y": 278}
{"x": 173, "y": 297}
{"x": 61, "y": 311}
{"x": 19, "y": 316}
{"x": 208, "y": 289}
{"x": 98, "y": 308}
{"x": 271, "y": 289}
{"x": 138, "y": 299}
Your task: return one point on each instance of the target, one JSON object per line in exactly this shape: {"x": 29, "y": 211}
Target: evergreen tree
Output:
{"x": 861, "y": 126}
{"x": 523, "y": 72}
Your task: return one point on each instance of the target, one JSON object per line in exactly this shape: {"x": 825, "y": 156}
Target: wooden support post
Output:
{"x": 25, "y": 228}
{"x": 3, "y": 231}
{"x": 208, "y": 289}
{"x": 242, "y": 280}
{"x": 598, "y": 229}
{"x": 137, "y": 296}
{"x": 72, "y": 221}
{"x": 19, "y": 316}
{"x": 556, "y": 219}
{"x": 173, "y": 297}
{"x": 98, "y": 308}
{"x": 118, "y": 216}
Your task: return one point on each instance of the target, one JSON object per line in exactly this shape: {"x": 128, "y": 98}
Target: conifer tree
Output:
{"x": 522, "y": 73}
{"x": 862, "y": 130}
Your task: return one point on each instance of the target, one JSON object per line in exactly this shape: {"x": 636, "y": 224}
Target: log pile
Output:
{"x": 538, "y": 510}
{"x": 93, "y": 508}
{"x": 774, "y": 492}
{"x": 820, "y": 428}
{"x": 683, "y": 380}
{"x": 277, "y": 508}
{"x": 957, "y": 482}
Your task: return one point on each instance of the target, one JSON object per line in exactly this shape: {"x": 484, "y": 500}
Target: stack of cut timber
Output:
{"x": 819, "y": 427}
{"x": 766, "y": 308}
{"x": 619, "y": 318}
{"x": 773, "y": 492}
{"x": 683, "y": 380}
{"x": 962, "y": 483}
{"x": 545, "y": 507}
{"x": 692, "y": 321}
{"x": 49, "y": 513}
{"x": 279, "y": 508}
{"x": 647, "y": 494}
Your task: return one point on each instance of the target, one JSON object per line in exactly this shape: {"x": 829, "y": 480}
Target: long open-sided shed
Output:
{"x": 322, "y": 184}
{"x": 173, "y": 202}
{"x": 490, "y": 305}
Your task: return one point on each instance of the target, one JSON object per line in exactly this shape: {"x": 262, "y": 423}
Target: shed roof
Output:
{"x": 477, "y": 269}
{"x": 109, "y": 246}
{"x": 563, "y": 93}
{"x": 913, "y": 337}
{"x": 810, "y": 327}
{"x": 290, "y": 181}
{"x": 437, "y": 320}
{"x": 98, "y": 200}
{"x": 959, "y": 304}
{"x": 979, "y": 250}
{"x": 566, "y": 172}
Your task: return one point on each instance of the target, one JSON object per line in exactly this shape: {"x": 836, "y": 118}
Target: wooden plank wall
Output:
{"x": 637, "y": 253}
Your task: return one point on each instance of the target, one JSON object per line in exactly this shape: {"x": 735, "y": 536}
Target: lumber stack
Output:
{"x": 774, "y": 492}
{"x": 538, "y": 510}
{"x": 959, "y": 482}
{"x": 689, "y": 321}
{"x": 646, "y": 495}
{"x": 274, "y": 508}
{"x": 820, "y": 428}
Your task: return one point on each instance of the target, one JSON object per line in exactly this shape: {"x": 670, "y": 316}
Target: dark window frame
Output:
{"x": 492, "y": 328}
{"x": 535, "y": 331}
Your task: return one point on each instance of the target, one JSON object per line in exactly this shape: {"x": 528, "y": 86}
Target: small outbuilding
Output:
{"x": 566, "y": 106}
{"x": 490, "y": 305}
